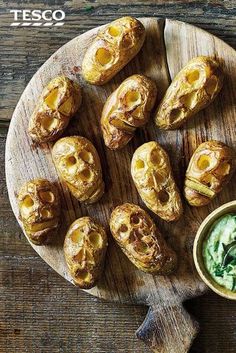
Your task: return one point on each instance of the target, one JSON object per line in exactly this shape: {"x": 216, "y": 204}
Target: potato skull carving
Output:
{"x": 113, "y": 47}
{"x": 127, "y": 108}
{"x": 209, "y": 169}
{"x": 39, "y": 207}
{"x": 140, "y": 240}
{"x": 152, "y": 175}
{"x": 78, "y": 164}
{"x": 57, "y": 104}
{"x": 193, "y": 89}
{"x": 85, "y": 248}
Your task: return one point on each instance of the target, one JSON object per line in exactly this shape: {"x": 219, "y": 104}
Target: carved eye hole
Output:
{"x": 45, "y": 213}
{"x": 86, "y": 156}
{"x": 140, "y": 164}
{"x": 96, "y": 239}
{"x": 26, "y": 206}
{"x": 132, "y": 98}
{"x": 48, "y": 123}
{"x": 155, "y": 157}
{"x": 163, "y": 196}
{"x": 103, "y": 56}
{"x": 224, "y": 168}
{"x": 211, "y": 85}
{"x": 135, "y": 219}
{"x": 46, "y": 196}
{"x": 52, "y": 99}
{"x": 28, "y": 202}
{"x": 77, "y": 236}
{"x": 114, "y": 31}
{"x": 85, "y": 175}
{"x": 123, "y": 228}
{"x": 203, "y": 162}
{"x": 66, "y": 107}
{"x": 83, "y": 275}
{"x": 193, "y": 76}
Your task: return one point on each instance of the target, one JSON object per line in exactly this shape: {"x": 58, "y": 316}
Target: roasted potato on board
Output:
{"x": 78, "y": 164}
{"x": 39, "y": 207}
{"x": 113, "y": 47}
{"x": 194, "y": 88}
{"x": 152, "y": 175}
{"x": 85, "y": 248}
{"x": 127, "y": 108}
{"x": 209, "y": 169}
{"x": 140, "y": 240}
{"x": 58, "y": 102}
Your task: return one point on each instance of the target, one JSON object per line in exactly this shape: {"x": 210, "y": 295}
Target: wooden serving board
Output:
{"x": 169, "y": 45}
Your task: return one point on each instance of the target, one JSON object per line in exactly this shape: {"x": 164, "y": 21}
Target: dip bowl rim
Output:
{"x": 197, "y": 249}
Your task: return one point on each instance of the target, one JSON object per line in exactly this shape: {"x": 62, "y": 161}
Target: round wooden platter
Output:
{"x": 169, "y": 45}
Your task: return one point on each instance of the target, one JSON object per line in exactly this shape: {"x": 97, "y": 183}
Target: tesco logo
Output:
{"x": 36, "y": 18}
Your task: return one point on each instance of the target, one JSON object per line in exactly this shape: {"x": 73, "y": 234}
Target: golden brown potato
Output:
{"x": 127, "y": 108}
{"x": 85, "y": 248}
{"x": 209, "y": 169}
{"x": 194, "y": 87}
{"x": 39, "y": 206}
{"x": 78, "y": 164}
{"x": 113, "y": 47}
{"x": 58, "y": 102}
{"x": 140, "y": 240}
{"x": 152, "y": 175}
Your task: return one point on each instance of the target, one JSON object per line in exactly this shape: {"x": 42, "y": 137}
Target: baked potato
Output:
{"x": 113, "y": 47}
{"x": 85, "y": 248}
{"x": 127, "y": 108}
{"x": 58, "y": 102}
{"x": 152, "y": 175}
{"x": 140, "y": 240}
{"x": 209, "y": 169}
{"x": 194, "y": 88}
{"x": 39, "y": 208}
{"x": 78, "y": 164}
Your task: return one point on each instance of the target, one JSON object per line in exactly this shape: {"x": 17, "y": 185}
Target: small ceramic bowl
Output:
{"x": 197, "y": 249}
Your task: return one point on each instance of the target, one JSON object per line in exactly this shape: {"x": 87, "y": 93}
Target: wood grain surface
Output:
{"x": 19, "y": 340}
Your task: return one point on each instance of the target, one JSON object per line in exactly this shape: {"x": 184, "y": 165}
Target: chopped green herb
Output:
{"x": 89, "y": 8}
{"x": 219, "y": 271}
{"x": 216, "y": 245}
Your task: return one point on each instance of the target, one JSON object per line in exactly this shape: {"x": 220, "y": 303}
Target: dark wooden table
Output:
{"x": 39, "y": 311}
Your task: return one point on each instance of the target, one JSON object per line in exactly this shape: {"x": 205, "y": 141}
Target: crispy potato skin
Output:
{"x": 127, "y": 108}
{"x": 78, "y": 164}
{"x": 209, "y": 170}
{"x": 39, "y": 208}
{"x": 141, "y": 241}
{"x": 193, "y": 89}
{"x": 113, "y": 47}
{"x": 152, "y": 175}
{"x": 85, "y": 248}
{"x": 59, "y": 101}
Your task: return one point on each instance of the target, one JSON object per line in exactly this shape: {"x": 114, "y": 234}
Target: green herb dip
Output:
{"x": 219, "y": 251}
